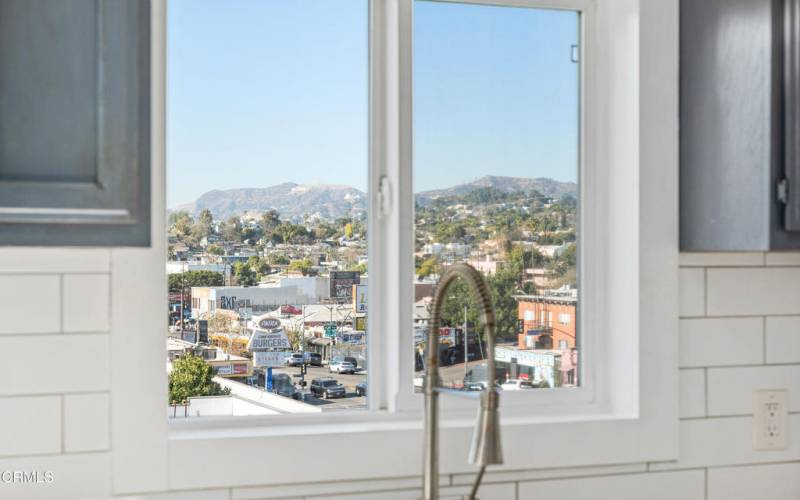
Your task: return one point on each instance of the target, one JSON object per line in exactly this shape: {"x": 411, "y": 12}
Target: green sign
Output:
{"x": 330, "y": 330}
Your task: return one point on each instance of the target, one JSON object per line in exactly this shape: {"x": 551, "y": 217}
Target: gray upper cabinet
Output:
{"x": 75, "y": 122}
{"x": 740, "y": 187}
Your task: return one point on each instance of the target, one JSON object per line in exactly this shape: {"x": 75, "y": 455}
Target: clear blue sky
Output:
{"x": 268, "y": 91}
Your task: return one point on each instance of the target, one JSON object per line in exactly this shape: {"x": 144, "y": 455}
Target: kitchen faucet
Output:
{"x": 486, "y": 446}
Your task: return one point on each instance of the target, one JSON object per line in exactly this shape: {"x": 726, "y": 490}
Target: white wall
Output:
{"x": 740, "y": 331}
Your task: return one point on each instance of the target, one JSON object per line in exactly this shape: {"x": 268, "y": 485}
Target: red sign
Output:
{"x": 239, "y": 369}
{"x": 294, "y": 311}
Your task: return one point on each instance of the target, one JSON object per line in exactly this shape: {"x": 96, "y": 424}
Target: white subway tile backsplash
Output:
{"x": 721, "y": 341}
{"x": 692, "y": 291}
{"x": 31, "y": 302}
{"x": 85, "y": 476}
{"x": 783, "y": 339}
{"x": 30, "y": 425}
{"x": 328, "y": 488}
{"x": 693, "y": 393}
{"x": 86, "y": 422}
{"x": 39, "y": 260}
{"x": 755, "y": 482}
{"x": 719, "y": 259}
{"x": 507, "y": 491}
{"x": 47, "y": 364}
{"x": 185, "y": 495}
{"x": 715, "y": 442}
{"x": 486, "y": 492}
{"x": 783, "y": 258}
{"x": 86, "y": 302}
{"x": 730, "y": 390}
{"x": 683, "y": 485}
{"x": 531, "y": 475}
{"x": 753, "y": 291}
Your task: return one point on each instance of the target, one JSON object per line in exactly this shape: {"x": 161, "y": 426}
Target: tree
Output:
{"x": 428, "y": 267}
{"x": 295, "y": 336}
{"x": 260, "y": 265}
{"x": 502, "y": 288}
{"x": 360, "y": 268}
{"x": 232, "y": 229}
{"x": 189, "y": 279}
{"x": 206, "y": 217}
{"x": 181, "y": 223}
{"x": 214, "y": 250}
{"x": 303, "y": 266}
{"x": 278, "y": 259}
{"x": 244, "y": 274}
{"x": 270, "y": 220}
{"x": 191, "y": 376}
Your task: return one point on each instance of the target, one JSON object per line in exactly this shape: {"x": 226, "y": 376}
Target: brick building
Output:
{"x": 547, "y": 321}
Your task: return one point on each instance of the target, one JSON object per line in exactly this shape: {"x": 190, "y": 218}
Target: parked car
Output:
{"x": 313, "y": 359}
{"x": 295, "y": 359}
{"x": 361, "y": 389}
{"x": 282, "y": 385}
{"x": 327, "y": 388}
{"x": 516, "y": 385}
{"x": 342, "y": 367}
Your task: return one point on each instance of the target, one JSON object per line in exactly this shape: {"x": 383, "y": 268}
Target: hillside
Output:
{"x": 547, "y": 187}
{"x": 293, "y": 201}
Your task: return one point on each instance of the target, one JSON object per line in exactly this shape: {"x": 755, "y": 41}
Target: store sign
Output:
{"x": 360, "y": 298}
{"x": 354, "y": 338}
{"x": 269, "y": 359}
{"x": 269, "y": 323}
{"x": 225, "y": 370}
{"x": 233, "y": 304}
{"x": 361, "y": 323}
{"x": 262, "y": 340}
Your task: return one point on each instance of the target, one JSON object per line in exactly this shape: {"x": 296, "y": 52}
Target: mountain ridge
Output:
{"x": 330, "y": 201}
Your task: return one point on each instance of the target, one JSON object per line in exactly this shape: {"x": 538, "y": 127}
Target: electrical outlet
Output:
{"x": 770, "y": 420}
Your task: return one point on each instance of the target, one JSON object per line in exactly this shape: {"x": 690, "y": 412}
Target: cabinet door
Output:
{"x": 74, "y": 122}
{"x": 791, "y": 92}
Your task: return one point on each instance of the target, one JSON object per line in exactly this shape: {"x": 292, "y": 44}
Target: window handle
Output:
{"x": 384, "y": 197}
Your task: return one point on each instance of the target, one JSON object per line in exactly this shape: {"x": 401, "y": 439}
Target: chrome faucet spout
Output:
{"x": 486, "y": 444}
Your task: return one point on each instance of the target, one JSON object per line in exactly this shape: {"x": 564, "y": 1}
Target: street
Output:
{"x": 349, "y": 402}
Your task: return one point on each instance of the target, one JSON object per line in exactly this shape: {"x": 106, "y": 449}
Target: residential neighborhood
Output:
{"x": 276, "y": 306}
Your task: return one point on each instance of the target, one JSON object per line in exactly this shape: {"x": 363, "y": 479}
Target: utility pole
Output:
{"x": 465, "y": 340}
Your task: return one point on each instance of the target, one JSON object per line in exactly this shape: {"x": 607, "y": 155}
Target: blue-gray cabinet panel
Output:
{"x": 732, "y": 126}
{"x": 74, "y": 122}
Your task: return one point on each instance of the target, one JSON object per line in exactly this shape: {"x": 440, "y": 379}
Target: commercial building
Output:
{"x": 547, "y": 321}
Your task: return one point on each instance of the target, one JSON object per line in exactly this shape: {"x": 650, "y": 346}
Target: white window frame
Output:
{"x": 628, "y": 262}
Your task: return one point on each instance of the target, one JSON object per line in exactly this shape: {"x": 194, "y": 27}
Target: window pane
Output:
{"x": 496, "y": 167}
{"x": 267, "y": 175}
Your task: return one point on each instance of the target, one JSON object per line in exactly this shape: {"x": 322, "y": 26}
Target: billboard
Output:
{"x": 341, "y": 283}
{"x": 269, "y": 359}
{"x": 360, "y": 298}
{"x": 262, "y": 340}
